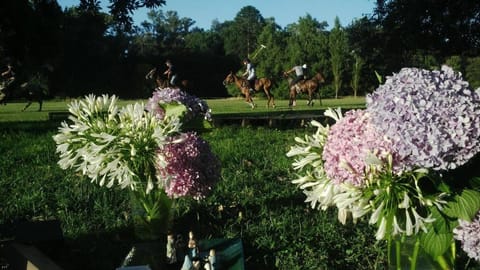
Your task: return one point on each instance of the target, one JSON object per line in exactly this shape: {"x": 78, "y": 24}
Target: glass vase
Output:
{"x": 151, "y": 216}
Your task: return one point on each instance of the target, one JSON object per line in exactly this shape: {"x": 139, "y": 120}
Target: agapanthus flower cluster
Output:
{"x": 187, "y": 166}
{"x": 469, "y": 235}
{"x": 111, "y": 145}
{"x": 163, "y": 96}
{"x": 432, "y": 116}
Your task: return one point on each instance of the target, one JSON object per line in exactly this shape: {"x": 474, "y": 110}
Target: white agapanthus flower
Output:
{"x": 112, "y": 145}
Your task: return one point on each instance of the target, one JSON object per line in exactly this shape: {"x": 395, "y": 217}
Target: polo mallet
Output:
{"x": 259, "y": 50}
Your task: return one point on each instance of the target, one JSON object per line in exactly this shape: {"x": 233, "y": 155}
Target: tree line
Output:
{"x": 82, "y": 49}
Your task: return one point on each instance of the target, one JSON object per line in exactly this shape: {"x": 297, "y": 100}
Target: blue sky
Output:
{"x": 203, "y": 12}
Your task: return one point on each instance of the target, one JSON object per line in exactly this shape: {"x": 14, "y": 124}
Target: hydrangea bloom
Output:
{"x": 350, "y": 142}
{"x": 468, "y": 234}
{"x": 432, "y": 117}
{"x": 195, "y": 106}
{"x": 187, "y": 166}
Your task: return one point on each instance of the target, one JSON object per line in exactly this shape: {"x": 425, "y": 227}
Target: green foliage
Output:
{"x": 270, "y": 62}
{"x": 307, "y": 42}
{"x": 338, "y": 46}
{"x": 455, "y": 62}
{"x": 464, "y": 206}
{"x": 240, "y": 35}
{"x": 473, "y": 72}
{"x": 356, "y": 73}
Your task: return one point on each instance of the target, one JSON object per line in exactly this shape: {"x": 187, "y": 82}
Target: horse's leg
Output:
{"x": 270, "y": 97}
{"x": 248, "y": 97}
{"x": 293, "y": 97}
{"x": 26, "y": 106}
{"x": 310, "y": 97}
{"x": 319, "y": 96}
{"x": 252, "y": 104}
{"x": 40, "y": 103}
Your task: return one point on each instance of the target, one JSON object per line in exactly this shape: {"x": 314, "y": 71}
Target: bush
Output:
{"x": 472, "y": 71}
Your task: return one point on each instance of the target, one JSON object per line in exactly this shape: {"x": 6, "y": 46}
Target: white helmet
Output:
{"x": 304, "y": 66}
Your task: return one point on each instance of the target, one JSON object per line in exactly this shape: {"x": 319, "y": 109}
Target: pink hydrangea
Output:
{"x": 191, "y": 168}
{"x": 349, "y": 142}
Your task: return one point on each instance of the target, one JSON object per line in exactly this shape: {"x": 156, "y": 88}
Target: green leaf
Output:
{"x": 174, "y": 109}
{"x": 435, "y": 244}
{"x": 379, "y": 77}
{"x": 475, "y": 182}
{"x": 464, "y": 206}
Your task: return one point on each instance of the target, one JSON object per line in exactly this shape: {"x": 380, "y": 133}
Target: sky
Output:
{"x": 285, "y": 12}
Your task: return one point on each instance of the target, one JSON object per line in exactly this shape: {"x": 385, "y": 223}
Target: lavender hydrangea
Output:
{"x": 195, "y": 106}
{"x": 433, "y": 117}
{"x": 187, "y": 166}
{"x": 468, "y": 233}
{"x": 348, "y": 144}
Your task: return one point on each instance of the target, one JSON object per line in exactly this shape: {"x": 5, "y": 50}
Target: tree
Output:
{"x": 240, "y": 35}
{"x": 338, "y": 46}
{"x": 307, "y": 42}
{"x": 270, "y": 60}
{"x": 122, "y": 10}
{"x": 437, "y": 28}
{"x": 364, "y": 38}
{"x": 356, "y": 73}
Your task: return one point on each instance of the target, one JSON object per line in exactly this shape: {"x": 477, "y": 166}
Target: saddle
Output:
{"x": 245, "y": 83}
{"x": 298, "y": 84}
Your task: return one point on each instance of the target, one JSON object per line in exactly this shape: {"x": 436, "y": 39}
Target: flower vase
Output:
{"x": 406, "y": 254}
{"x": 151, "y": 214}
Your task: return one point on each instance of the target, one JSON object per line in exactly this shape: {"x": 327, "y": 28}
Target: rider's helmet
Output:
{"x": 304, "y": 66}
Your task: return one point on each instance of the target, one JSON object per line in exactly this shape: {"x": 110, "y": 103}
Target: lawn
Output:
{"x": 220, "y": 107}
{"x": 255, "y": 201}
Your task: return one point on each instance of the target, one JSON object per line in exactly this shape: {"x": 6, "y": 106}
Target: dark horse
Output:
{"x": 264, "y": 84}
{"x": 162, "y": 82}
{"x": 309, "y": 86}
{"x": 32, "y": 90}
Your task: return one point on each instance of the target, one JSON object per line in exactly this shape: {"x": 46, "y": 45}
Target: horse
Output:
{"x": 264, "y": 84}
{"x": 30, "y": 90}
{"x": 309, "y": 86}
{"x": 162, "y": 82}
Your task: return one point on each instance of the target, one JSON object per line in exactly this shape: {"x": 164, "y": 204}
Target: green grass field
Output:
{"x": 12, "y": 112}
{"x": 255, "y": 200}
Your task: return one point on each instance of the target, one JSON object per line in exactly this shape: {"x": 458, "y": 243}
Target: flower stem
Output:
{"x": 413, "y": 262}
{"x": 442, "y": 262}
{"x": 398, "y": 255}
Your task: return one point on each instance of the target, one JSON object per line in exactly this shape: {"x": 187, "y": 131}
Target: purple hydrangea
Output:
{"x": 432, "y": 116}
{"x": 469, "y": 235}
{"x": 187, "y": 166}
{"x": 348, "y": 144}
{"x": 195, "y": 106}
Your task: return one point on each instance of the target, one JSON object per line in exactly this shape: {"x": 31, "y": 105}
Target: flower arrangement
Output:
{"x": 403, "y": 163}
{"x": 138, "y": 149}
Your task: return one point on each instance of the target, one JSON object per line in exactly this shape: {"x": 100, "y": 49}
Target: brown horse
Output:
{"x": 264, "y": 84}
{"x": 309, "y": 86}
{"x": 163, "y": 82}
